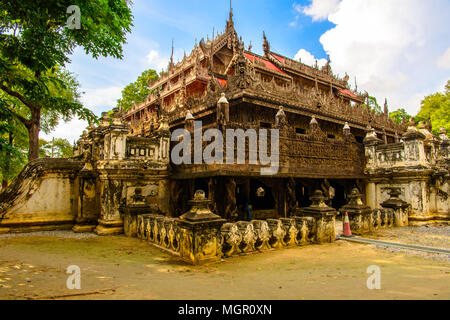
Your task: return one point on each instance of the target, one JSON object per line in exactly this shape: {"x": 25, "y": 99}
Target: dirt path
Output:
{"x": 33, "y": 266}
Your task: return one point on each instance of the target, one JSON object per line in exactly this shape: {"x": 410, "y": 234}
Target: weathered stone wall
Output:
{"x": 89, "y": 191}
{"x": 43, "y": 196}
{"x": 417, "y": 166}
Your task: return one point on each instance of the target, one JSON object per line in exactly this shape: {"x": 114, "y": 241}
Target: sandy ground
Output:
{"x": 34, "y": 266}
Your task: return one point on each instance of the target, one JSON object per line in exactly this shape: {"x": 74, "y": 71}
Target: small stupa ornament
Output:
{"x": 200, "y": 211}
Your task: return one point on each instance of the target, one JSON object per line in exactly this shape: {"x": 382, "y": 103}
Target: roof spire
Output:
{"x": 230, "y": 23}
{"x": 266, "y": 45}
{"x": 231, "y": 12}
{"x": 211, "y": 56}
{"x": 171, "y": 57}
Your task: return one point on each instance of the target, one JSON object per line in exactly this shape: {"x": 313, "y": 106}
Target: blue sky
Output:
{"x": 396, "y": 49}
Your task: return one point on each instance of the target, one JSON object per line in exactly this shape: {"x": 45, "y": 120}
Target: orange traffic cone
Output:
{"x": 347, "y": 231}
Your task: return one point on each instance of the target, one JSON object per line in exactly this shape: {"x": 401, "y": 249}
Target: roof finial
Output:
{"x": 231, "y": 12}
{"x": 230, "y": 23}
{"x": 211, "y": 56}
{"x": 266, "y": 45}
{"x": 171, "y": 57}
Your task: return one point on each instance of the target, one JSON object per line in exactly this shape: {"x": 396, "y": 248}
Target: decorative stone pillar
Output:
{"x": 131, "y": 212}
{"x": 371, "y": 142}
{"x": 115, "y": 136}
{"x": 88, "y": 202}
{"x": 443, "y": 182}
{"x": 200, "y": 232}
{"x": 324, "y": 218}
{"x": 110, "y": 221}
{"x": 358, "y": 213}
{"x": 112, "y": 176}
{"x": 414, "y": 147}
{"x": 400, "y": 207}
{"x": 371, "y": 195}
{"x": 88, "y": 207}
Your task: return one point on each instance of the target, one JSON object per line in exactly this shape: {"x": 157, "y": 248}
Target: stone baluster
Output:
{"x": 231, "y": 239}
{"x": 277, "y": 233}
{"x": 262, "y": 231}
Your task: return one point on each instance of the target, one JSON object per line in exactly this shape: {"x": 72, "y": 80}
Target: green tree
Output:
{"x": 57, "y": 148}
{"x": 372, "y": 104}
{"x": 137, "y": 91}
{"x": 436, "y": 107}
{"x": 13, "y": 145}
{"x": 35, "y": 44}
{"x": 400, "y": 116}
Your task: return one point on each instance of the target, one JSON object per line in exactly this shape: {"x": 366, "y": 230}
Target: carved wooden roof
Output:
{"x": 222, "y": 65}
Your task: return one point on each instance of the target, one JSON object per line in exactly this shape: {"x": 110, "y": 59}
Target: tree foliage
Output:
{"x": 57, "y": 148}
{"x": 137, "y": 91}
{"x": 35, "y": 44}
{"x": 436, "y": 107}
{"x": 400, "y": 116}
{"x": 13, "y": 145}
{"x": 371, "y": 103}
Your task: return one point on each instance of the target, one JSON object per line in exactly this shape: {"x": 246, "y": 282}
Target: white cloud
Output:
{"x": 307, "y": 58}
{"x": 103, "y": 99}
{"x": 155, "y": 60}
{"x": 444, "y": 60}
{"x": 319, "y": 9}
{"x": 390, "y": 46}
{"x": 97, "y": 100}
{"x": 70, "y": 131}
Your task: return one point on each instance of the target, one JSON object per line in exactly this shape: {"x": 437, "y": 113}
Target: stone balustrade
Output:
{"x": 200, "y": 236}
{"x": 235, "y": 238}
{"x": 159, "y": 230}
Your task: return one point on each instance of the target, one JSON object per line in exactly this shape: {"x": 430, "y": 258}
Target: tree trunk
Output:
{"x": 6, "y": 173}
{"x": 33, "y": 134}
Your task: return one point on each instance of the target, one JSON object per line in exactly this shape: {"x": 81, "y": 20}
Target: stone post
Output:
{"x": 358, "y": 213}
{"x": 443, "y": 161}
{"x": 371, "y": 142}
{"x": 115, "y": 136}
{"x": 200, "y": 232}
{"x": 324, "y": 218}
{"x": 371, "y": 194}
{"x": 111, "y": 176}
{"x": 130, "y": 213}
{"x": 88, "y": 202}
{"x": 414, "y": 147}
{"x": 400, "y": 207}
